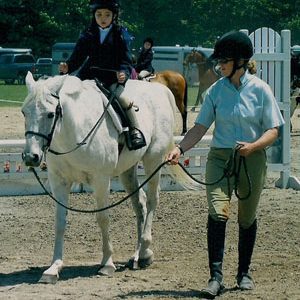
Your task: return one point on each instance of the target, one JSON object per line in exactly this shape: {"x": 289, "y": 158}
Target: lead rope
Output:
{"x": 229, "y": 171}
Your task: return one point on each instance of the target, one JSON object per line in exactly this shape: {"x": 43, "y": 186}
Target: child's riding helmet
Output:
{"x": 112, "y": 5}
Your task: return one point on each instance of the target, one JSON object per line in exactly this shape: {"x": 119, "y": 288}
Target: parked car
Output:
{"x": 43, "y": 67}
{"x": 14, "y": 67}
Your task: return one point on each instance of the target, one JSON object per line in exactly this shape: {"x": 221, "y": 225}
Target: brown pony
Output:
{"x": 206, "y": 72}
{"x": 178, "y": 86}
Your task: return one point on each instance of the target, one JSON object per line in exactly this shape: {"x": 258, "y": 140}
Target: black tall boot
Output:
{"x": 247, "y": 239}
{"x": 135, "y": 139}
{"x": 215, "y": 242}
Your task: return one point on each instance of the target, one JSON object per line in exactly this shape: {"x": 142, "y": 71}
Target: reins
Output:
{"x": 229, "y": 171}
{"x": 100, "y": 209}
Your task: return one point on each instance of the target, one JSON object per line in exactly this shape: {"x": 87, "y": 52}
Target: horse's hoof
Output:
{"x": 133, "y": 264}
{"x": 145, "y": 262}
{"x": 107, "y": 271}
{"x": 140, "y": 264}
{"x": 48, "y": 279}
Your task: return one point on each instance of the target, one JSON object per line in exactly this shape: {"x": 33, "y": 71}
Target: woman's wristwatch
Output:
{"x": 180, "y": 149}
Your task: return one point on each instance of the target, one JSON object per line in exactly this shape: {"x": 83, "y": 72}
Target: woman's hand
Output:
{"x": 63, "y": 68}
{"x": 121, "y": 76}
{"x": 267, "y": 139}
{"x": 173, "y": 156}
{"x": 245, "y": 149}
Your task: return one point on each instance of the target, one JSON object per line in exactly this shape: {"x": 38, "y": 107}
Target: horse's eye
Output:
{"x": 51, "y": 115}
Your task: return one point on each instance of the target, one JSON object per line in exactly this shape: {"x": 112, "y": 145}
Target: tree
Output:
{"x": 39, "y": 24}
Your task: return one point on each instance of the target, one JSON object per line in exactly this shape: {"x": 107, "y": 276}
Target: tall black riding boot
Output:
{"x": 246, "y": 245}
{"x": 134, "y": 137}
{"x": 215, "y": 242}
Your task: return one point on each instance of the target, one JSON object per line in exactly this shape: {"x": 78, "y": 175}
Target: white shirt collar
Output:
{"x": 104, "y": 32}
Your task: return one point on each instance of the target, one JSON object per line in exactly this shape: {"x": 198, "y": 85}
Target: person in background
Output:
{"x": 245, "y": 113}
{"x": 144, "y": 61}
{"x": 102, "y": 52}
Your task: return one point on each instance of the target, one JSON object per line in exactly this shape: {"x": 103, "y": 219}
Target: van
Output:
{"x": 60, "y": 53}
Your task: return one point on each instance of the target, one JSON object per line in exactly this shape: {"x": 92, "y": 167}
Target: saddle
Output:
{"x": 114, "y": 103}
{"x": 149, "y": 77}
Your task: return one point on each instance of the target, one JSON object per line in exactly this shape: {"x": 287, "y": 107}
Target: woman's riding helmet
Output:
{"x": 234, "y": 44}
{"x": 112, "y": 5}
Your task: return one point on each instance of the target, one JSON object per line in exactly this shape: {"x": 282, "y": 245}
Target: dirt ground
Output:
{"x": 180, "y": 266}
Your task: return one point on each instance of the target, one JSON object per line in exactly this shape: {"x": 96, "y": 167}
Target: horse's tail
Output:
{"x": 180, "y": 176}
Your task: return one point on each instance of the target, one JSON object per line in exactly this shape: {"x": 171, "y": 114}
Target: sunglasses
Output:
{"x": 224, "y": 60}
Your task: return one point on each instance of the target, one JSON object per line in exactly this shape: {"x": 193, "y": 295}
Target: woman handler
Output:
{"x": 245, "y": 113}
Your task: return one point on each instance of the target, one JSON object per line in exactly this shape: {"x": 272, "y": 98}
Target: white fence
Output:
{"x": 15, "y": 179}
{"x": 272, "y": 54}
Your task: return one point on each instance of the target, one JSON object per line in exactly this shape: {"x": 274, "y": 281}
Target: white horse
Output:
{"x": 60, "y": 111}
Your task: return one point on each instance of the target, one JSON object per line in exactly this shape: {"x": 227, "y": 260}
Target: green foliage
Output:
{"x": 39, "y": 24}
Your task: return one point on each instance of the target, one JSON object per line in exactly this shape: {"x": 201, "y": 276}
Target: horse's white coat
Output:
{"x": 99, "y": 160}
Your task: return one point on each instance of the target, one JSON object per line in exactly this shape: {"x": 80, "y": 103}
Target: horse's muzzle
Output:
{"x": 31, "y": 159}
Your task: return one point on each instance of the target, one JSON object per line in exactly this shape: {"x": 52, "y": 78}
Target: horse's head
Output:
{"x": 295, "y": 83}
{"x": 41, "y": 111}
{"x": 195, "y": 57}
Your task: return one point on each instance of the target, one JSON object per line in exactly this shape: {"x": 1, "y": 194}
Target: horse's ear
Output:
{"x": 30, "y": 83}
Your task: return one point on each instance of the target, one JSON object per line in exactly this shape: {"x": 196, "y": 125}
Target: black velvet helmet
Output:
{"x": 234, "y": 44}
{"x": 112, "y": 5}
{"x": 149, "y": 40}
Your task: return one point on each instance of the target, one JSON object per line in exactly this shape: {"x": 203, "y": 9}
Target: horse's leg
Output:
{"x": 61, "y": 193}
{"x": 184, "y": 112}
{"x": 101, "y": 191}
{"x": 130, "y": 182}
{"x": 146, "y": 254}
{"x": 184, "y": 122}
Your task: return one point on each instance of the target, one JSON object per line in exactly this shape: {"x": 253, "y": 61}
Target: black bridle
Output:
{"x": 48, "y": 137}
{"x": 58, "y": 114}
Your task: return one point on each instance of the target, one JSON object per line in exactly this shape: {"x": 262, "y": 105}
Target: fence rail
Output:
{"x": 16, "y": 179}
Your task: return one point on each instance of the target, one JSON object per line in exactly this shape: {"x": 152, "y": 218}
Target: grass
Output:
{"x": 192, "y": 95}
{"x": 15, "y": 94}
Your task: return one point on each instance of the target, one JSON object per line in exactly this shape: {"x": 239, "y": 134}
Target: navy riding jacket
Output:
{"x": 101, "y": 60}
{"x": 144, "y": 61}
